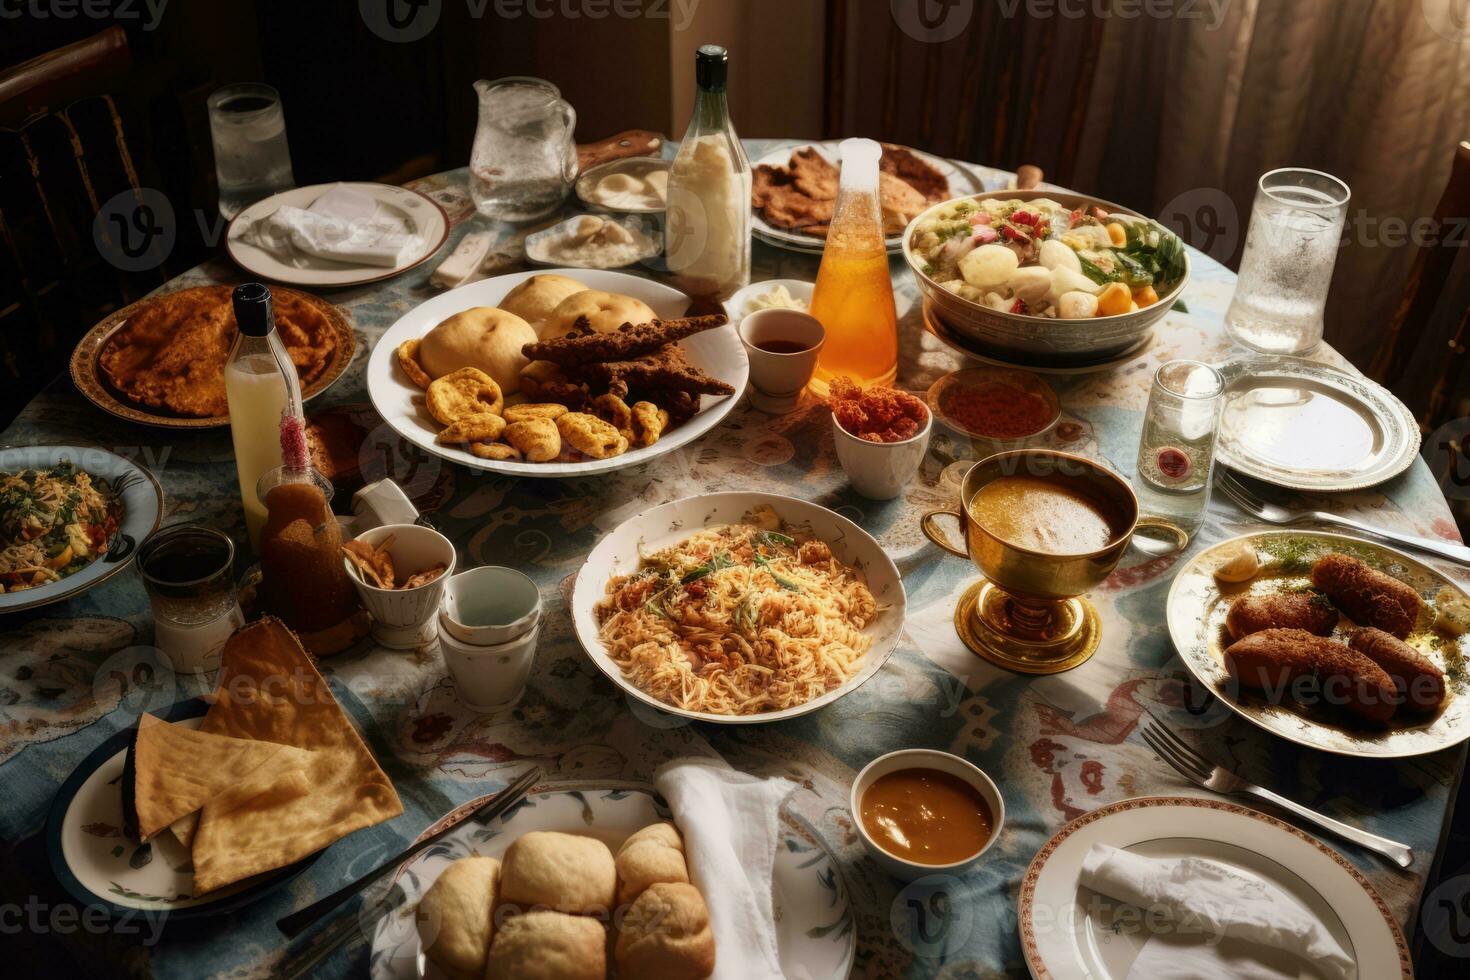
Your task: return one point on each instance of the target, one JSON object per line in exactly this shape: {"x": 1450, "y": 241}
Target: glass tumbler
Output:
{"x": 1286, "y": 268}
{"x": 1176, "y": 453}
{"x": 251, "y": 158}
{"x": 189, "y": 572}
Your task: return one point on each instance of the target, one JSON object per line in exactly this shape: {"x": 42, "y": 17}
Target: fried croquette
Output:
{"x": 1310, "y": 611}
{"x": 1420, "y": 684}
{"x": 1276, "y": 660}
{"x": 1368, "y": 596}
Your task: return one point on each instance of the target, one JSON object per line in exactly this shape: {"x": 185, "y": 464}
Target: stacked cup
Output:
{"x": 488, "y": 626}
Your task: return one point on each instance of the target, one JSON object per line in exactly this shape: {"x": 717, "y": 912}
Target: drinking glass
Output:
{"x": 251, "y": 158}
{"x": 523, "y": 161}
{"x": 1286, "y": 268}
{"x": 1176, "y": 454}
{"x": 189, "y": 573}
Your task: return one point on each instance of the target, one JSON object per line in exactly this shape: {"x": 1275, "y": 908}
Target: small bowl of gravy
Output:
{"x": 922, "y": 812}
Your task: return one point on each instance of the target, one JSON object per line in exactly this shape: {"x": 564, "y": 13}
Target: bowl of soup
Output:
{"x": 921, "y": 812}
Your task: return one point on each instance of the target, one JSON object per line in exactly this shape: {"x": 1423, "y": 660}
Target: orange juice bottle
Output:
{"x": 854, "y": 293}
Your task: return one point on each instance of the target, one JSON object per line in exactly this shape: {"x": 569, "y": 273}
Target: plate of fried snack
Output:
{"x": 794, "y": 190}
{"x": 592, "y": 882}
{"x": 554, "y": 374}
{"x": 1330, "y": 641}
{"x": 161, "y": 360}
{"x": 208, "y": 805}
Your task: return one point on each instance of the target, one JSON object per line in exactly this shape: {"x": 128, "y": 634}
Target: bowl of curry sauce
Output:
{"x": 921, "y": 812}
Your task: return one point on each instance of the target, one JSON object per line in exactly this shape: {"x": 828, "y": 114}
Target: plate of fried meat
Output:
{"x": 794, "y": 190}
{"x": 1329, "y": 641}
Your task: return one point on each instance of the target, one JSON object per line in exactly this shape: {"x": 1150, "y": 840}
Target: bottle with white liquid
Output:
{"x": 261, "y": 385}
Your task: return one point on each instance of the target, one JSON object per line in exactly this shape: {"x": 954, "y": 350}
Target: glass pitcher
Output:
{"x": 523, "y": 161}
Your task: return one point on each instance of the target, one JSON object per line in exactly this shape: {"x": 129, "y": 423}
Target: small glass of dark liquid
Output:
{"x": 782, "y": 346}
{"x": 777, "y": 345}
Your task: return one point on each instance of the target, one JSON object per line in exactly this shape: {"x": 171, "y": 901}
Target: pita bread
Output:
{"x": 270, "y": 691}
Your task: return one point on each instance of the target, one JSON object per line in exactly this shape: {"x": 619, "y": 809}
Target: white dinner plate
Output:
{"x": 1064, "y": 927}
{"x": 425, "y": 219}
{"x": 398, "y": 400}
{"x": 667, "y": 524}
{"x": 816, "y": 933}
{"x": 961, "y": 182}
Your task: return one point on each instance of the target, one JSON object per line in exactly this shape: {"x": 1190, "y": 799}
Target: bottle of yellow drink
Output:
{"x": 854, "y": 292}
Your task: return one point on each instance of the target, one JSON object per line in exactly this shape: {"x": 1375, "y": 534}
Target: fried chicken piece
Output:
{"x": 1420, "y": 684}
{"x": 627, "y": 342}
{"x": 1277, "y": 661}
{"x": 814, "y": 175}
{"x": 1368, "y": 596}
{"x": 1306, "y": 611}
{"x": 899, "y": 203}
{"x": 910, "y": 168}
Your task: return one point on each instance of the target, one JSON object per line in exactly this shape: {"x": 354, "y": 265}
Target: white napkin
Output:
{"x": 730, "y": 830}
{"x": 1210, "y": 903}
{"x": 342, "y": 225}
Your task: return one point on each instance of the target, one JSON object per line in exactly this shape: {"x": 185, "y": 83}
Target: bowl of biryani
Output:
{"x": 1045, "y": 276}
{"x": 738, "y": 608}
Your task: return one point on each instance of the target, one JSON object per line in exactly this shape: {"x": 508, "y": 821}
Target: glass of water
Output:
{"x": 1176, "y": 454}
{"x": 251, "y": 158}
{"x": 1290, "y": 249}
{"x": 523, "y": 161}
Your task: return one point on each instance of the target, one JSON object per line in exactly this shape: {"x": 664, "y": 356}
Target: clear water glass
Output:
{"x": 1176, "y": 453}
{"x": 189, "y": 573}
{"x": 523, "y": 161}
{"x": 1286, "y": 268}
{"x": 251, "y": 158}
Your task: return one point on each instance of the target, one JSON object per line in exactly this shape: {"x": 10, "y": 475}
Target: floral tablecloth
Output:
{"x": 1058, "y": 746}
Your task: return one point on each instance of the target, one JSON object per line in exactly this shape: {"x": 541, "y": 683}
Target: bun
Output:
{"x": 535, "y": 298}
{"x": 566, "y": 872}
{"x": 481, "y": 337}
{"x": 605, "y": 312}
{"x": 654, "y": 854}
{"x": 548, "y": 946}
{"x": 454, "y": 920}
{"x": 666, "y": 935}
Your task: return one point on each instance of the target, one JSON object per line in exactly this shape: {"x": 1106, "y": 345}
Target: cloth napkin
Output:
{"x": 1222, "y": 919}
{"x": 730, "y": 830}
{"x": 342, "y": 225}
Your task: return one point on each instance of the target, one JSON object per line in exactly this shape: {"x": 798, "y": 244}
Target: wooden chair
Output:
{"x": 63, "y": 155}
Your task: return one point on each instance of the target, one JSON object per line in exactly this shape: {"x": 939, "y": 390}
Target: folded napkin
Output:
{"x": 731, "y": 831}
{"x": 342, "y": 225}
{"x": 1222, "y": 917}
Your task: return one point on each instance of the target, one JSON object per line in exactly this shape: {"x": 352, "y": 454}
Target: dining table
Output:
{"x": 1057, "y": 746}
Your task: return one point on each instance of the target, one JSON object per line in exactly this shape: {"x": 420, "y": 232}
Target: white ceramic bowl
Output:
{"x": 405, "y": 618}
{"x": 492, "y": 677}
{"x": 924, "y": 759}
{"x": 500, "y": 604}
{"x": 880, "y": 470}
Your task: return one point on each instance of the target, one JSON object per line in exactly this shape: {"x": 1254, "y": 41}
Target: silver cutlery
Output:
{"x": 1272, "y": 513}
{"x": 1202, "y": 772}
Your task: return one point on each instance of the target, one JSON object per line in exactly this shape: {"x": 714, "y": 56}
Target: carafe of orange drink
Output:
{"x": 854, "y": 292}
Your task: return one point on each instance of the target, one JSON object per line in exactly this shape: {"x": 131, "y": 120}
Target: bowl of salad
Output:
{"x": 1046, "y": 275}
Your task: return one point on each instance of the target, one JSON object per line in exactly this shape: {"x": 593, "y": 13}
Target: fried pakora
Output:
{"x": 538, "y": 440}
{"x": 408, "y": 360}
{"x": 480, "y": 427}
{"x": 468, "y": 391}
{"x": 591, "y": 436}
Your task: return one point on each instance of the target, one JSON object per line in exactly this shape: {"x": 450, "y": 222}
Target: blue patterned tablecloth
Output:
{"x": 1058, "y": 746}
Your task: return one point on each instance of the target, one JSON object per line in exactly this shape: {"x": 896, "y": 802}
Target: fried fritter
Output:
{"x": 627, "y": 342}
{"x": 468, "y": 391}
{"x": 1275, "y": 660}
{"x": 913, "y": 170}
{"x": 591, "y": 436}
{"x": 1308, "y": 611}
{"x": 649, "y": 422}
{"x": 801, "y": 196}
{"x": 666, "y": 369}
{"x": 408, "y": 360}
{"x": 615, "y": 412}
{"x": 534, "y": 410}
{"x": 538, "y": 440}
{"x": 494, "y": 450}
{"x": 480, "y": 427}
{"x": 1420, "y": 683}
{"x": 1368, "y": 596}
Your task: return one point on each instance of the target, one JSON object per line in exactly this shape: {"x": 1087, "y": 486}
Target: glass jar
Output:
{"x": 188, "y": 571}
{"x": 1176, "y": 453}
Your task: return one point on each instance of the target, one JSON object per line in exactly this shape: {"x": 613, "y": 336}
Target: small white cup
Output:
{"x": 880, "y": 470}
{"x": 406, "y": 618}
{"x": 490, "y": 604}
{"x": 776, "y": 380}
{"x": 490, "y": 677}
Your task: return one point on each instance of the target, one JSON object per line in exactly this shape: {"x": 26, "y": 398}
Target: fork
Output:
{"x": 1252, "y": 503}
{"x": 1202, "y": 772}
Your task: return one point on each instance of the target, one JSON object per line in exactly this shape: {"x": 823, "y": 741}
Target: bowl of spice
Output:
{"x": 995, "y": 405}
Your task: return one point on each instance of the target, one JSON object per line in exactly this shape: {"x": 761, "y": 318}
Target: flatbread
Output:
{"x": 270, "y": 691}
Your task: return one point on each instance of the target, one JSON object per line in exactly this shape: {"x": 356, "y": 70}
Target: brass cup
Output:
{"x": 1027, "y": 613}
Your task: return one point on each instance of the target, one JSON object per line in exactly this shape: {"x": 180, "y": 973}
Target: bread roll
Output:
{"x": 666, "y": 935}
{"x": 604, "y": 311}
{"x": 535, "y": 298}
{"x": 548, "y": 946}
{"x": 654, "y": 854}
{"x": 481, "y": 337}
{"x": 566, "y": 872}
{"x": 454, "y": 919}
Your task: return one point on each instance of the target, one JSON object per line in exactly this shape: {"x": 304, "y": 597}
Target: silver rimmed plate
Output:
{"x": 1196, "y": 610}
{"x": 1306, "y": 426}
{"x": 1065, "y": 927}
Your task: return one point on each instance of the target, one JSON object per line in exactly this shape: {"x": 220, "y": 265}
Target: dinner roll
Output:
{"x": 654, "y": 854}
{"x": 604, "y": 311}
{"x": 666, "y": 935}
{"x": 480, "y": 337}
{"x": 548, "y": 946}
{"x": 566, "y": 872}
{"x": 454, "y": 919}
{"x": 535, "y": 298}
